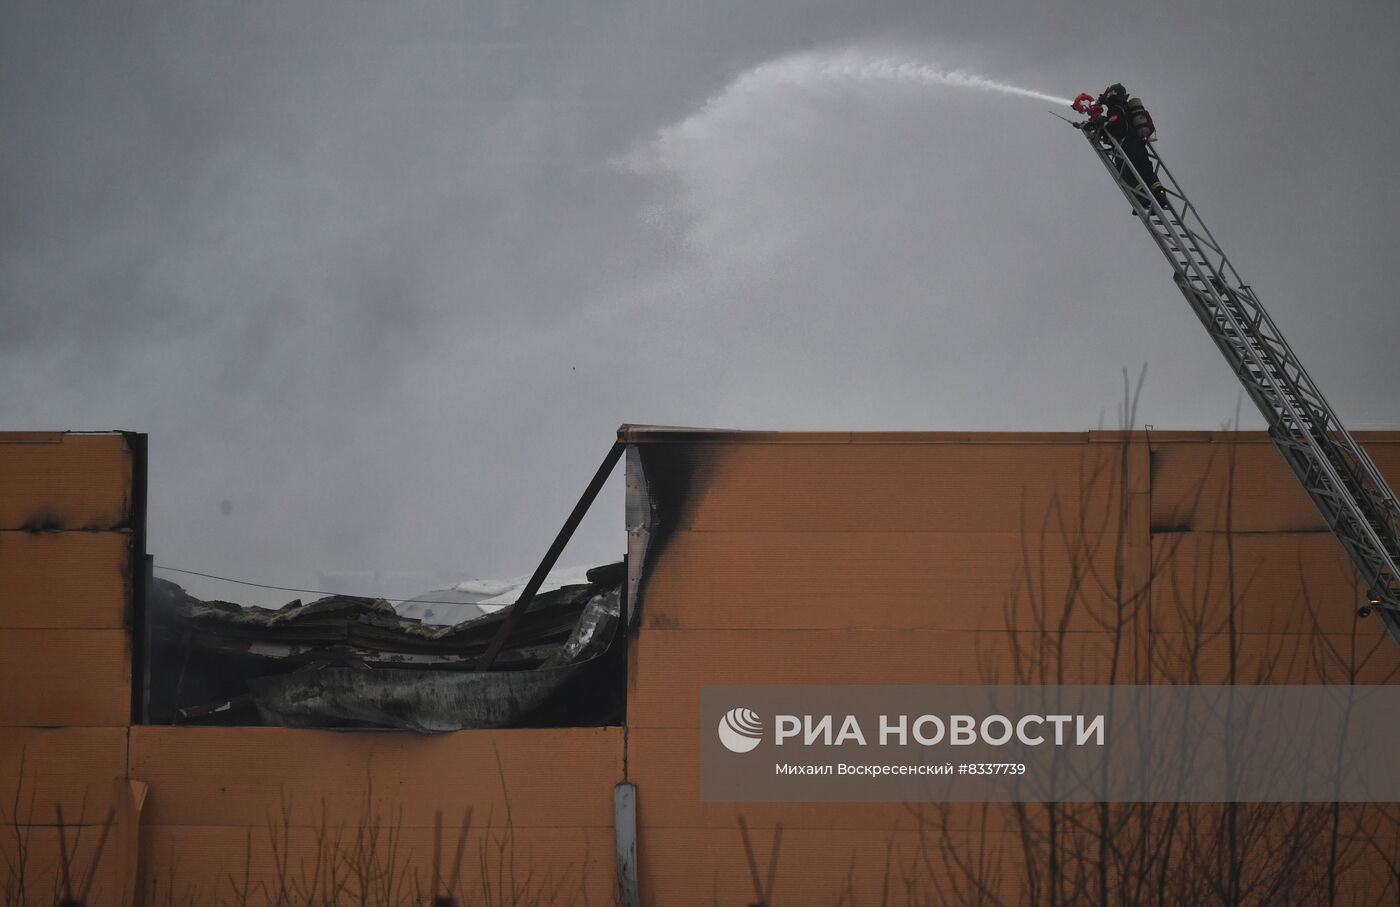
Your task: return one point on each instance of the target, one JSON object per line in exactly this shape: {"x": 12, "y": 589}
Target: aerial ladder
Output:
{"x": 1350, "y": 493}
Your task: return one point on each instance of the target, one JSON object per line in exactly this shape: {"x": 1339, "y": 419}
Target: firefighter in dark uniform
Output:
{"x": 1128, "y": 121}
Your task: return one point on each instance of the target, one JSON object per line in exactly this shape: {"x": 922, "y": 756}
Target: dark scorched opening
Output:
{"x": 343, "y": 661}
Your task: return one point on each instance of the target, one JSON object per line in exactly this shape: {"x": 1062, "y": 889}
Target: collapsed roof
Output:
{"x": 347, "y": 661}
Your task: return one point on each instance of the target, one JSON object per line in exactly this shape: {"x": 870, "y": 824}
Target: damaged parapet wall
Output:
{"x": 248, "y": 815}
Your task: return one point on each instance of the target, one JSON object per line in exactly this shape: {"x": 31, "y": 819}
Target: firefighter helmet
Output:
{"x": 1114, "y": 92}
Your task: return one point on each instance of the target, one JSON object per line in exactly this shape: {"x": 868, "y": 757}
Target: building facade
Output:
{"x": 753, "y": 557}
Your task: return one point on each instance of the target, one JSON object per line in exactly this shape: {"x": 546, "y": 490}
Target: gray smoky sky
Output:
{"x": 381, "y": 280}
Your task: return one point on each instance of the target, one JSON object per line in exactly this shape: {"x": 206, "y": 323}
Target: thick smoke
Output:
{"x": 368, "y": 278}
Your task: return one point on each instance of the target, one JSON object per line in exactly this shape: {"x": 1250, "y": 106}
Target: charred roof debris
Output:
{"x": 551, "y": 656}
{"x": 347, "y": 661}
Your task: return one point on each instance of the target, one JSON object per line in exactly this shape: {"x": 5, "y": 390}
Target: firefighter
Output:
{"x": 1129, "y": 122}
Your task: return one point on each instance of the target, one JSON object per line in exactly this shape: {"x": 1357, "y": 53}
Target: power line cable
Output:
{"x": 244, "y": 582}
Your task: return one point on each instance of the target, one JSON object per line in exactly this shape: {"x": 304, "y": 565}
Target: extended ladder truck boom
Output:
{"x": 1352, "y": 496}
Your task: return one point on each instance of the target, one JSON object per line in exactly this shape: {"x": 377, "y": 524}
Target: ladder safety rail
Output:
{"x": 1340, "y": 478}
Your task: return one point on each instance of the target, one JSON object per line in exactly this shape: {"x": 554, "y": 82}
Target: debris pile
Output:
{"x": 345, "y": 661}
